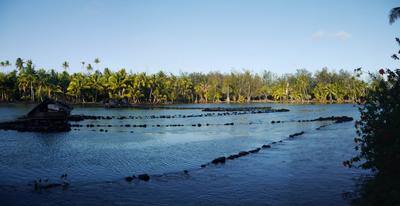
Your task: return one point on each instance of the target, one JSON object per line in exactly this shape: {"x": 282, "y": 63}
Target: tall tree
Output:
{"x": 89, "y": 68}
{"x": 65, "y": 65}
{"x": 19, "y": 63}
{"x": 83, "y": 65}
{"x": 96, "y": 61}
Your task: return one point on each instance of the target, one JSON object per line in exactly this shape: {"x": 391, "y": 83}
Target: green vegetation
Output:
{"x": 378, "y": 140}
{"x": 26, "y": 83}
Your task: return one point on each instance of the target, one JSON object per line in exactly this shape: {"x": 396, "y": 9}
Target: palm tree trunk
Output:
{"x": 32, "y": 94}
{"x": 151, "y": 93}
{"x": 249, "y": 93}
{"x": 227, "y": 96}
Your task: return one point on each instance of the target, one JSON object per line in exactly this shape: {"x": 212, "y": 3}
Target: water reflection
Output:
{"x": 91, "y": 158}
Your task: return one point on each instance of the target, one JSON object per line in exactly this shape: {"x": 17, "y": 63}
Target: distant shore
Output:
{"x": 169, "y": 104}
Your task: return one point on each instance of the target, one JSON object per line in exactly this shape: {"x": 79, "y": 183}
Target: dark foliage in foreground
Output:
{"x": 379, "y": 142}
{"x": 379, "y": 137}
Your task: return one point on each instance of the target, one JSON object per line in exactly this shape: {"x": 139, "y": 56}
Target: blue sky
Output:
{"x": 201, "y": 36}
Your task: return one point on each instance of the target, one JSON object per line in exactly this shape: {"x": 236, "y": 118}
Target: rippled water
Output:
{"x": 305, "y": 171}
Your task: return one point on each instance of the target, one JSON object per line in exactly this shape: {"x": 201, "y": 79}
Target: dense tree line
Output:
{"x": 26, "y": 83}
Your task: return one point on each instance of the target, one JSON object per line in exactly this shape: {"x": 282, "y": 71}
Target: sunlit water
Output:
{"x": 307, "y": 170}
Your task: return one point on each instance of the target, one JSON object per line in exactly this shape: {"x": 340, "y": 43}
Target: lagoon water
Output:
{"x": 307, "y": 170}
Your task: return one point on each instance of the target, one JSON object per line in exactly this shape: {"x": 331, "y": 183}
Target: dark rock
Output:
{"x": 51, "y": 185}
{"x": 129, "y": 179}
{"x": 243, "y": 153}
{"x": 37, "y": 125}
{"x": 266, "y": 146}
{"x": 255, "y": 150}
{"x": 144, "y": 177}
{"x": 219, "y": 160}
{"x": 344, "y": 119}
{"x": 232, "y": 157}
{"x": 243, "y": 109}
{"x": 296, "y": 134}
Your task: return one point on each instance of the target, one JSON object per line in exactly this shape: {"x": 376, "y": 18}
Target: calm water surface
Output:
{"x": 305, "y": 171}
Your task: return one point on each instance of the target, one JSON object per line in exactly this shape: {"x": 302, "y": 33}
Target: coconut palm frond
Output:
{"x": 394, "y": 14}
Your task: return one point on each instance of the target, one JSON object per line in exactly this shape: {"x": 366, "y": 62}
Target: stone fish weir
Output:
{"x": 48, "y": 116}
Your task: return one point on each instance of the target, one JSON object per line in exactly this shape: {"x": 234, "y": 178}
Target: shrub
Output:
{"x": 378, "y": 141}
{"x": 379, "y": 127}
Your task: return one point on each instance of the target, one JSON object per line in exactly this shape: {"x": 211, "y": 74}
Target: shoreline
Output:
{"x": 166, "y": 105}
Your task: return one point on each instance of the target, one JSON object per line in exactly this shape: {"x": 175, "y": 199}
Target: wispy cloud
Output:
{"x": 340, "y": 35}
{"x": 318, "y": 35}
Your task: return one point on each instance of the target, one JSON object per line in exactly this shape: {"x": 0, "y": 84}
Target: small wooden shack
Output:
{"x": 48, "y": 116}
{"x": 50, "y": 109}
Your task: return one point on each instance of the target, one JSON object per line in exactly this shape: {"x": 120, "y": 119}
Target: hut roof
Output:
{"x": 50, "y": 105}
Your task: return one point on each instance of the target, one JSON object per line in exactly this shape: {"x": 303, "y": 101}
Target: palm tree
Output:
{"x": 320, "y": 92}
{"x": 42, "y": 83}
{"x": 2, "y": 86}
{"x": 89, "y": 68}
{"x": 118, "y": 83}
{"x": 226, "y": 85}
{"x": 19, "y": 63}
{"x": 96, "y": 61}
{"x": 331, "y": 91}
{"x": 22, "y": 85}
{"x": 96, "y": 83}
{"x": 394, "y": 15}
{"x": 134, "y": 86}
{"x": 65, "y": 65}
{"x": 202, "y": 90}
{"x": 279, "y": 92}
{"x": 31, "y": 77}
{"x": 5, "y": 63}
{"x": 83, "y": 65}
{"x": 75, "y": 86}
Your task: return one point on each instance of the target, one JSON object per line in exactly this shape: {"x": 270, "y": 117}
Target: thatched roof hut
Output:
{"x": 50, "y": 109}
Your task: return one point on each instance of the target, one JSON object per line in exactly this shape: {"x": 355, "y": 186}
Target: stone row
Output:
{"x": 336, "y": 119}
{"x": 76, "y": 118}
